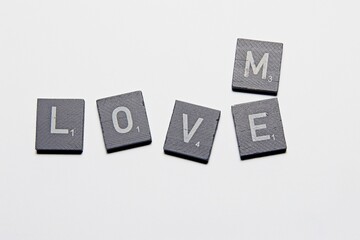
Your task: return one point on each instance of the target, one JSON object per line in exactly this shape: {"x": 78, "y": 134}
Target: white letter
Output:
{"x": 254, "y": 127}
{"x": 116, "y": 123}
{"x": 187, "y": 135}
{"x": 53, "y": 124}
{"x": 256, "y": 69}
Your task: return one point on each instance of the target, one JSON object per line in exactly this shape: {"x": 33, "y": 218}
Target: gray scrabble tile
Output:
{"x": 259, "y": 129}
{"x": 257, "y": 66}
{"x": 60, "y": 126}
{"x": 124, "y": 121}
{"x": 191, "y": 132}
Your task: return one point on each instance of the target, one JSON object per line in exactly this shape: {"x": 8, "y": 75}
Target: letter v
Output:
{"x": 187, "y": 135}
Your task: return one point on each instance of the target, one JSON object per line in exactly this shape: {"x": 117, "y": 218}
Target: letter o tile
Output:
{"x": 124, "y": 122}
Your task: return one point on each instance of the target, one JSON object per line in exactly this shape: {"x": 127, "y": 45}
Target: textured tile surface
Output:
{"x": 257, "y": 66}
{"x": 60, "y": 126}
{"x": 124, "y": 121}
{"x": 191, "y": 132}
{"x": 259, "y": 129}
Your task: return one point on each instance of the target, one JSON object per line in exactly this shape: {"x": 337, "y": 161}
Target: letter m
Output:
{"x": 250, "y": 62}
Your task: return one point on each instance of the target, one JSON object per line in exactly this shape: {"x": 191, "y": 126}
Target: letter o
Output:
{"x": 116, "y": 123}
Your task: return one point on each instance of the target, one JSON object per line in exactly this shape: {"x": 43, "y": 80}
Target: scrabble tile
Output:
{"x": 257, "y": 66}
{"x": 60, "y": 126}
{"x": 259, "y": 129}
{"x": 124, "y": 121}
{"x": 191, "y": 132}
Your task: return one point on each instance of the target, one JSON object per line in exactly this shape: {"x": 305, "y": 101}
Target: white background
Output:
{"x": 180, "y": 50}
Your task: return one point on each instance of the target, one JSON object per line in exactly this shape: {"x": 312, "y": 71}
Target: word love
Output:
{"x": 192, "y": 129}
{"x": 191, "y": 133}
